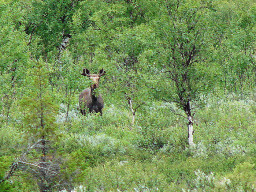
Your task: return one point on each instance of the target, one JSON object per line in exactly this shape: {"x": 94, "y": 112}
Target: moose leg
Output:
{"x": 83, "y": 111}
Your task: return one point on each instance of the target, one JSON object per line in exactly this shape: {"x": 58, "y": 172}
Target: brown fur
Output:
{"x": 88, "y": 101}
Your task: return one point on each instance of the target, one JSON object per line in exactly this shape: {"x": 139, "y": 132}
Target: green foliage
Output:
{"x": 4, "y": 164}
{"x": 159, "y": 173}
{"x": 185, "y": 48}
{"x": 235, "y": 43}
{"x": 39, "y": 126}
{"x": 155, "y": 54}
{"x": 38, "y": 105}
{"x": 13, "y": 56}
{"x": 243, "y": 176}
{"x": 76, "y": 165}
{"x": 10, "y": 140}
{"x": 51, "y": 21}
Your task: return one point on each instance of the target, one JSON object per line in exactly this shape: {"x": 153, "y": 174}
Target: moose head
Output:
{"x": 94, "y": 77}
{"x": 87, "y": 98}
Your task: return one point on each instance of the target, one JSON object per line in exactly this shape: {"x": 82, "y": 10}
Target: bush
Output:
{"x": 243, "y": 177}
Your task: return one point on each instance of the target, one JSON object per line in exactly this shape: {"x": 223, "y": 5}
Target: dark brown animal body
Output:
{"x": 88, "y": 101}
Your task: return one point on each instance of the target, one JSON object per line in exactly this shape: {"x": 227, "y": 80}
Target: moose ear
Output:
{"x": 102, "y": 72}
{"x": 86, "y": 72}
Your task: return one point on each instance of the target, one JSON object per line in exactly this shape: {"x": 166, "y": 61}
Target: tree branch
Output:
{"x": 21, "y": 160}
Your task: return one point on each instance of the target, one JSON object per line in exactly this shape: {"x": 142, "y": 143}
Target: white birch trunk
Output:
{"x": 190, "y": 131}
{"x": 132, "y": 110}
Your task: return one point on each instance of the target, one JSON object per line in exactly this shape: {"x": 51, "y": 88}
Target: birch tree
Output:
{"x": 184, "y": 38}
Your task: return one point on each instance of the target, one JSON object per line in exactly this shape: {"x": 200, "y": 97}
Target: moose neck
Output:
{"x": 93, "y": 88}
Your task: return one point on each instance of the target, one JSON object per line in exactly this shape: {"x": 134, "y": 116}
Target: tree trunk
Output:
{"x": 132, "y": 110}
{"x": 187, "y": 108}
{"x": 190, "y": 131}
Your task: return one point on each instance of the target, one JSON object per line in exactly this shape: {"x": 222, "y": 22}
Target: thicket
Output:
{"x": 179, "y": 93}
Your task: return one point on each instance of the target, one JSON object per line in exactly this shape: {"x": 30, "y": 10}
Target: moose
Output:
{"x": 88, "y": 98}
